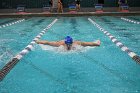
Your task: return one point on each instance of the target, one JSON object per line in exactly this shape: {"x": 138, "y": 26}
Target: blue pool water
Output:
{"x": 7, "y": 20}
{"x": 104, "y": 69}
{"x": 128, "y": 33}
{"x": 14, "y": 38}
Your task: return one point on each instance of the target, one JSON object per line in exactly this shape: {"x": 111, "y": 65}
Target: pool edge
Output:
{"x": 67, "y": 14}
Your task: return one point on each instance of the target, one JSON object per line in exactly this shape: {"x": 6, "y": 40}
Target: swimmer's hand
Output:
{"x": 98, "y": 42}
{"x": 37, "y": 41}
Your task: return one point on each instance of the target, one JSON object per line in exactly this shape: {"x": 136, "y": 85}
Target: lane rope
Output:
{"x": 128, "y": 20}
{"x": 12, "y": 23}
{"x": 133, "y": 55}
{"x": 30, "y": 46}
{"x": 6, "y": 69}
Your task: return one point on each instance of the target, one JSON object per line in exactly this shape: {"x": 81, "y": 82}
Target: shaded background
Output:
{"x": 11, "y": 4}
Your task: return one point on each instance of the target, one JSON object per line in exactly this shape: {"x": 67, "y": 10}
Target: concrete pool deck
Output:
{"x": 83, "y": 12}
{"x": 69, "y": 14}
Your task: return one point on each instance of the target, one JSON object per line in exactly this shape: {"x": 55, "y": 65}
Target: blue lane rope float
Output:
{"x": 132, "y": 21}
{"x": 133, "y": 55}
{"x": 12, "y": 23}
{"x": 6, "y": 69}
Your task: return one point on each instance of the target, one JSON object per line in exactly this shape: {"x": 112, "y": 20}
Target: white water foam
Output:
{"x": 62, "y": 49}
{"x": 4, "y": 58}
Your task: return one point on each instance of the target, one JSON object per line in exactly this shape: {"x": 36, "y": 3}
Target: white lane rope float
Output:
{"x": 6, "y": 69}
{"x": 12, "y": 23}
{"x": 128, "y": 20}
{"x": 133, "y": 55}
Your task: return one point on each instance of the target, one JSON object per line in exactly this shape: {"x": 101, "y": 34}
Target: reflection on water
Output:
{"x": 74, "y": 25}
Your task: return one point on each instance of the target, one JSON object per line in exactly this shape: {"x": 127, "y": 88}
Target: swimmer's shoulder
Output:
{"x": 77, "y": 42}
{"x": 60, "y": 42}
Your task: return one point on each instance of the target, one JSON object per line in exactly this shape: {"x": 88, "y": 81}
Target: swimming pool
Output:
{"x": 104, "y": 69}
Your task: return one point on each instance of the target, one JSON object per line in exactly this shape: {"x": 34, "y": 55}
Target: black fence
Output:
{"x": 11, "y": 4}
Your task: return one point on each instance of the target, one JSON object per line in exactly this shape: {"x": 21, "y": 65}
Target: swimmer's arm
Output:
{"x": 96, "y": 43}
{"x": 45, "y": 42}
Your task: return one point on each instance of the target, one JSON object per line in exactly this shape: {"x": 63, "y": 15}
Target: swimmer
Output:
{"x": 68, "y": 43}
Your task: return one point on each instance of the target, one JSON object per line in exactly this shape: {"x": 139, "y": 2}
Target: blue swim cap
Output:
{"x": 68, "y": 40}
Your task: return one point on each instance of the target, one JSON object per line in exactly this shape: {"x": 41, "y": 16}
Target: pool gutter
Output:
{"x": 67, "y": 14}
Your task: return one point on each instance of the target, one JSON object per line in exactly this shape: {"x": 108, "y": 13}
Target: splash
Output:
{"x": 4, "y": 58}
{"x": 7, "y": 40}
{"x": 62, "y": 49}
